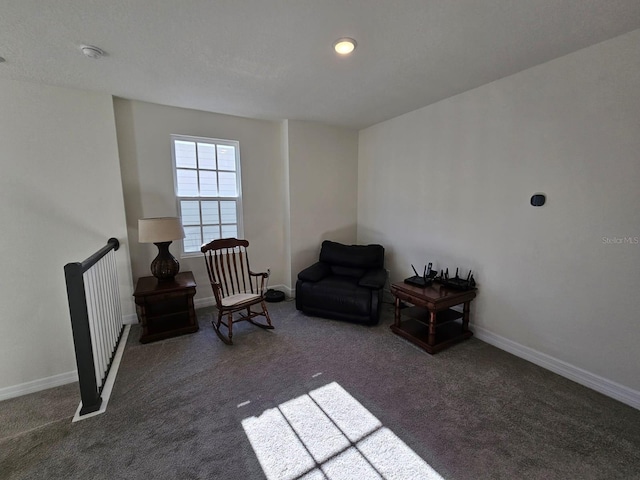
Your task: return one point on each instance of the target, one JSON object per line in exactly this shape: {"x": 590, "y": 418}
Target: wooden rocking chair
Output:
{"x": 235, "y": 287}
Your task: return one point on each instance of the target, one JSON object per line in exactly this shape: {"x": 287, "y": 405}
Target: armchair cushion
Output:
{"x": 338, "y": 294}
{"x": 315, "y": 272}
{"x": 358, "y": 256}
{"x": 348, "y": 271}
{"x": 374, "y": 278}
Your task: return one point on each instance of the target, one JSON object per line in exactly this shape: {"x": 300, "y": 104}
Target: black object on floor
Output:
{"x": 272, "y": 295}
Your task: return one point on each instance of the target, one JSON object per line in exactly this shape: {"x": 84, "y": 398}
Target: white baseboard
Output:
{"x": 288, "y": 291}
{"x": 37, "y": 385}
{"x": 110, "y": 380}
{"x": 55, "y": 380}
{"x": 204, "y": 302}
{"x": 595, "y": 382}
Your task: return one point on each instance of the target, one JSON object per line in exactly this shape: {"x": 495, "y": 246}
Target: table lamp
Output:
{"x": 162, "y": 231}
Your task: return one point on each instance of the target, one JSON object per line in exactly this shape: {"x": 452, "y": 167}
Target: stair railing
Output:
{"x": 96, "y": 320}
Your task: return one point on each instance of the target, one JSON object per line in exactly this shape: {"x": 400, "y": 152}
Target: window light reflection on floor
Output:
{"x": 327, "y": 434}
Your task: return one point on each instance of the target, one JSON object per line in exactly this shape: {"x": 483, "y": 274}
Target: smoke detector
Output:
{"x": 92, "y": 52}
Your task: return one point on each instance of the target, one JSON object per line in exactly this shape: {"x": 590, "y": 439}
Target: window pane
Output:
{"x": 211, "y": 232}
{"x": 187, "y": 183}
{"x": 193, "y": 239}
{"x": 210, "y": 212}
{"x": 208, "y": 186}
{"x": 229, "y": 231}
{"x": 206, "y": 156}
{"x": 228, "y": 186}
{"x": 228, "y": 212}
{"x": 227, "y": 157}
{"x": 189, "y": 212}
{"x": 207, "y": 189}
{"x": 185, "y": 154}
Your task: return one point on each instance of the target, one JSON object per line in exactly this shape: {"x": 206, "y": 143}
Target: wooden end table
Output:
{"x": 431, "y": 323}
{"x": 165, "y": 309}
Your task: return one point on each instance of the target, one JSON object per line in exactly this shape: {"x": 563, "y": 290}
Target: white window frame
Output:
{"x": 238, "y": 199}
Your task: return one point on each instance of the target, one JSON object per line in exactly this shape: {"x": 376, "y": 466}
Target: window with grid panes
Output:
{"x": 207, "y": 182}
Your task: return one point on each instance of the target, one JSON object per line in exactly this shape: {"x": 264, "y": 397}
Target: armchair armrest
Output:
{"x": 315, "y": 272}
{"x": 374, "y": 278}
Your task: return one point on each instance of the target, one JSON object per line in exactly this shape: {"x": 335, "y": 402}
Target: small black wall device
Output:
{"x": 538, "y": 200}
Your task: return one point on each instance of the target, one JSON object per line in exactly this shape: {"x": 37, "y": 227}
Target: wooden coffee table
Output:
{"x": 431, "y": 323}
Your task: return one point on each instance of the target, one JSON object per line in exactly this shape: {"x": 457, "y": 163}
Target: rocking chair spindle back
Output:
{"x": 235, "y": 286}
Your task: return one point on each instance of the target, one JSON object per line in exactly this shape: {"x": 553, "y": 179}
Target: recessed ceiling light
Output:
{"x": 344, "y": 46}
{"x": 92, "y": 52}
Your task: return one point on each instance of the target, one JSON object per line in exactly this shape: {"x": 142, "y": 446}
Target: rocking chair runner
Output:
{"x": 235, "y": 287}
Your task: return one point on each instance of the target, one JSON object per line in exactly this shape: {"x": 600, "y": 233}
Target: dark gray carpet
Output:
{"x": 471, "y": 412}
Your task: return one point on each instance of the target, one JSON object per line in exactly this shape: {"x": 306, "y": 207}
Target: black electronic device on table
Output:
{"x": 456, "y": 282}
{"x": 423, "y": 280}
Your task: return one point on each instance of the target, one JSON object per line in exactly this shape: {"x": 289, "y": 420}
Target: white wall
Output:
{"x": 323, "y": 177}
{"x": 298, "y": 184}
{"x": 60, "y": 200}
{"x": 450, "y": 183}
{"x": 144, "y": 131}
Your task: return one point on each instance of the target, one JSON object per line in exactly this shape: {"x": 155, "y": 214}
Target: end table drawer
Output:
{"x": 164, "y": 306}
{"x": 165, "y": 309}
{"x": 403, "y": 296}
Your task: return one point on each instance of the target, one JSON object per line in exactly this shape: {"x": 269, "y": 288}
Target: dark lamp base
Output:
{"x": 165, "y": 266}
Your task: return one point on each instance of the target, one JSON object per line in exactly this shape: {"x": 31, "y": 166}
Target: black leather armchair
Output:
{"x": 346, "y": 284}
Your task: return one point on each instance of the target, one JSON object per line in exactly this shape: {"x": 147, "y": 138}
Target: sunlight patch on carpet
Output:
{"x": 328, "y": 435}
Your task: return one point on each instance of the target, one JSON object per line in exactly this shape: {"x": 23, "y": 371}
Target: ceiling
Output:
{"x": 273, "y": 59}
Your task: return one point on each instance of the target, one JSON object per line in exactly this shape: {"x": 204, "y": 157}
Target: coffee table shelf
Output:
{"x": 423, "y": 315}
{"x": 431, "y": 323}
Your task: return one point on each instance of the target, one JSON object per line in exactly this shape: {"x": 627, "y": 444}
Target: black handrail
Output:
{"x": 89, "y": 390}
{"x": 112, "y": 244}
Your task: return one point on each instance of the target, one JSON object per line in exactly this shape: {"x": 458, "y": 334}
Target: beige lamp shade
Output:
{"x": 157, "y": 230}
